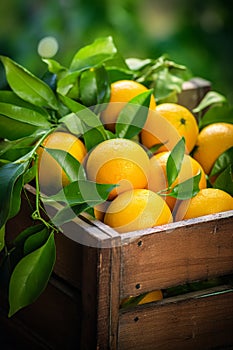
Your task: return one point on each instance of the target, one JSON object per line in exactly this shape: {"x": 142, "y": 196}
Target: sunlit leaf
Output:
{"x": 9, "y": 97}
{"x": 93, "y": 55}
{"x": 174, "y": 161}
{"x": 94, "y": 86}
{"x": 82, "y": 191}
{"x": 133, "y": 116}
{"x": 31, "y": 276}
{"x": 27, "y": 86}
{"x": 68, "y": 213}
{"x": 186, "y": 189}
{"x": 211, "y": 98}
{"x": 12, "y": 129}
{"x": 71, "y": 166}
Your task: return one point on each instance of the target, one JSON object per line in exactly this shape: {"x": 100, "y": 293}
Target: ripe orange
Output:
{"x": 137, "y": 209}
{"x": 167, "y": 125}
{"x": 155, "y": 295}
{"x": 51, "y": 175}
{"x": 149, "y": 297}
{"x": 118, "y": 161}
{"x": 122, "y": 91}
{"x": 212, "y": 141}
{"x": 157, "y": 176}
{"x": 207, "y": 201}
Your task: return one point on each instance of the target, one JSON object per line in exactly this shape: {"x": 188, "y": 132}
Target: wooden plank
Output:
{"x": 100, "y": 297}
{"x": 186, "y": 252}
{"x": 195, "y": 321}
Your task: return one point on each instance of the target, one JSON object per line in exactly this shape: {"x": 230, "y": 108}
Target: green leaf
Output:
{"x": 68, "y": 213}
{"x": 2, "y": 237}
{"x": 11, "y": 98}
{"x": 73, "y": 124}
{"x": 71, "y": 166}
{"x": 36, "y": 241}
{"x": 167, "y": 84}
{"x": 83, "y": 113}
{"x": 174, "y": 161}
{"x": 92, "y": 129}
{"x": 94, "y": 136}
{"x": 82, "y": 191}
{"x": 68, "y": 84}
{"x": 224, "y": 180}
{"x": 211, "y": 98}
{"x": 31, "y": 276}
{"x": 54, "y": 66}
{"x": 217, "y": 114}
{"x": 186, "y": 189}
{"x": 21, "y": 143}
{"x": 12, "y": 129}
{"x": 23, "y": 235}
{"x": 79, "y": 197}
{"x": 223, "y": 161}
{"x": 137, "y": 64}
{"x": 27, "y": 86}
{"x": 118, "y": 69}
{"x": 94, "y": 86}
{"x": 11, "y": 182}
{"x": 24, "y": 115}
{"x": 15, "y": 153}
{"x": 94, "y": 55}
{"x": 133, "y": 116}
{"x": 30, "y": 174}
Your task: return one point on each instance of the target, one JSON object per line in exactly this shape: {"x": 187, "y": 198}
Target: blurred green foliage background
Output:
{"x": 195, "y": 33}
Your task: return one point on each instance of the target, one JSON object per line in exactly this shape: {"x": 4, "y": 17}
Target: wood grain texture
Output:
{"x": 100, "y": 298}
{"x": 187, "y": 251}
{"x": 188, "y": 322}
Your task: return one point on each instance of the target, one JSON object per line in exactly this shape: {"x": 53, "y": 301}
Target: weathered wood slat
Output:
{"x": 188, "y": 322}
{"x": 186, "y": 253}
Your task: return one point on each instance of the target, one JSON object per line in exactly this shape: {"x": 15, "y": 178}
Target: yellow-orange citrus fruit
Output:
{"x": 158, "y": 179}
{"x": 51, "y": 175}
{"x": 121, "y": 92}
{"x": 207, "y": 201}
{"x": 137, "y": 209}
{"x": 213, "y": 140}
{"x": 149, "y": 297}
{"x": 155, "y": 295}
{"x": 118, "y": 161}
{"x": 167, "y": 125}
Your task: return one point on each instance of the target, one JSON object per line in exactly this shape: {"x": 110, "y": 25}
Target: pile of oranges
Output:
{"x": 141, "y": 198}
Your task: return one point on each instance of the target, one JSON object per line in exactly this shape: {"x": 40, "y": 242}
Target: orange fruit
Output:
{"x": 121, "y": 92}
{"x": 51, "y": 175}
{"x": 212, "y": 141}
{"x": 118, "y": 161}
{"x": 145, "y": 298}
{"x": 207, "y": 201}
{"x": 137, "y": 209}
{"x": 157, "y": 176}
{"x": 167, "y": 125}
{"x": 149, "y": 297}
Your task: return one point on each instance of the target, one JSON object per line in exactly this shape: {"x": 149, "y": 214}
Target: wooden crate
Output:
{"x": 81, "y": 306}
{"x": 96, "y": 268}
